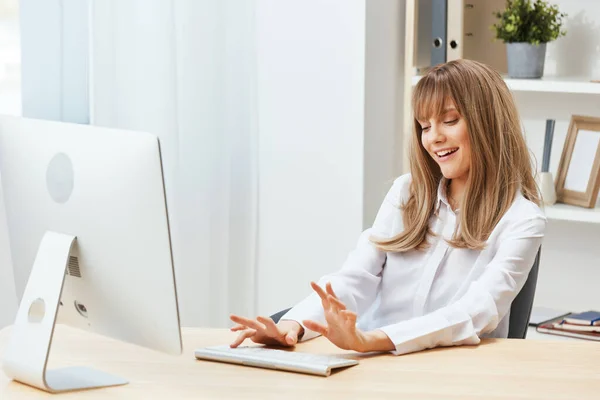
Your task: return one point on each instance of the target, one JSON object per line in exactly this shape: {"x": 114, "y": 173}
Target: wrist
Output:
{"x": 375, "y": 340}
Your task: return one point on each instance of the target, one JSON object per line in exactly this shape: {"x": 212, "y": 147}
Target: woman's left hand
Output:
{"x": 341, "y": 323}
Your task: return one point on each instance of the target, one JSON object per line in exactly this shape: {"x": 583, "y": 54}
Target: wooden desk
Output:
{"x": 498, "y": 369}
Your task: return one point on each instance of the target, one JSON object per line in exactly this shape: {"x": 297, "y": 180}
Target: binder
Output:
{"x": 439, "y": 21}
{"x": 469, "y": 32}
{"x": 454, "y": 42}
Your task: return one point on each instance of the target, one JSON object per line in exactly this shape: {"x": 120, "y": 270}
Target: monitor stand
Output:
{"x": 26, "y": 356}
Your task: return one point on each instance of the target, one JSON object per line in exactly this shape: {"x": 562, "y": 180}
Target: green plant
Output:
{"x": 529, "y": 21}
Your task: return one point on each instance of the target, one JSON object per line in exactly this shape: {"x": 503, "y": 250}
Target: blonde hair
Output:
{"x": 500, "y": 162}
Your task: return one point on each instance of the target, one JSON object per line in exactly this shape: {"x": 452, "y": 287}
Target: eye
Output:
{"x": 425, "y": 128}
{"x": 454, "y": 121}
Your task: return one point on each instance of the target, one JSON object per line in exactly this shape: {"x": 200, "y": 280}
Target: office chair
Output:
{"x": 520, "y": 309}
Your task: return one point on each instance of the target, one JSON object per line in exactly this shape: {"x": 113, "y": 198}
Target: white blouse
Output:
{"x": 441, "y": 296}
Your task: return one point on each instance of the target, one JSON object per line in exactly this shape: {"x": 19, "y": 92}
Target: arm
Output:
{"x": 357, "y": 282}
{"x": 485, "y": 303}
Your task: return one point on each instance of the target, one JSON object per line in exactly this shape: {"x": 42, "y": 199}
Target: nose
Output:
{"x": 436, "y": 134}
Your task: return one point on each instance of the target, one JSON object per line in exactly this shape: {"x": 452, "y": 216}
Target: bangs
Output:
{"x": 431, "y": 97}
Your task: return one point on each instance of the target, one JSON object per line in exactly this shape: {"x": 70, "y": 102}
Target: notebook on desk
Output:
{"x": 555, "y": 328}
{"x": 580, "y": 326}
{"x": 263, "y": 357}
{"x": 541, "y": 315}
{"x": 584, "y": 318}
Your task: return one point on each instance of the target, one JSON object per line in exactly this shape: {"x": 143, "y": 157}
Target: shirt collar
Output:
{"x": 441, "y": 195}
{"x": 442, "y": 198}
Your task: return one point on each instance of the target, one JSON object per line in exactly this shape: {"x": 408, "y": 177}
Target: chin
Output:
{"x": 451, "y": 174}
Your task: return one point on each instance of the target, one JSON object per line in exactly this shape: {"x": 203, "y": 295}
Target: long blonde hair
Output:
{"x": 500, "y": 162}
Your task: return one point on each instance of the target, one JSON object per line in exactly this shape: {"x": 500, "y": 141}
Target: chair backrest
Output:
{"x": 520, "y": 310}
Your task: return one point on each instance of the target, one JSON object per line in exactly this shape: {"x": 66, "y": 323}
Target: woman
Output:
{"x": 453, "y": 242}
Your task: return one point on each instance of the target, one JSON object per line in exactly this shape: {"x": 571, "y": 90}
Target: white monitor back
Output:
{"x": 8, "y": 297}
{"x": 104, "y": 186}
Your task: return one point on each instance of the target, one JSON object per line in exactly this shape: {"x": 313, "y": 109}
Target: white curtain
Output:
{"x": 186, "y": 70}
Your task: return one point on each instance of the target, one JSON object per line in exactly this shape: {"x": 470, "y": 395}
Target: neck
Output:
{"x": 456, "y": 191}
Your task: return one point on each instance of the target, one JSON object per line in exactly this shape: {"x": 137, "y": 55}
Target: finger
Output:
{"x": 238, "y": 319}
{"x": 321, "y": 294}
{"x": 243, "y": 336}
{"x": 269, "y": 325}
{"x": 315, "y": 326}
{"x": 332, "y": 306}
{"x": 330, "y": 291}
{"x": 338, "y": 303}
{"x": 291, "y": 338}
{"x": 250, "y": 323}
{"x": 238, "y": 328}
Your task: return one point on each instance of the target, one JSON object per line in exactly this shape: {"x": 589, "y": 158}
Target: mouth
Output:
{"x": 445, "y": 154}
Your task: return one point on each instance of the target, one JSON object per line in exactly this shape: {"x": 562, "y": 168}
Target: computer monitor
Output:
{"x": 90, "y": 243}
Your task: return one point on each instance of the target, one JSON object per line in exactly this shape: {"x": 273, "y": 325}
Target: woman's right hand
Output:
{"x": 264, "y": 330}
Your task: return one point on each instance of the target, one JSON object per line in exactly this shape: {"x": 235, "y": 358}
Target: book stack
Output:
{"x": 584, "y": 325}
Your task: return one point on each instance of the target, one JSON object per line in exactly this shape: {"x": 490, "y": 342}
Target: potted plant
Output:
{"x": 526, "y": 26}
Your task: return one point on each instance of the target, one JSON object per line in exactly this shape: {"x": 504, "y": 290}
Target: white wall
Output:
{"x": 311, "y": 66}
{"x": 384, "y": 89}
{"x": 570, "y": 263}
{"x": 325, "y": 157}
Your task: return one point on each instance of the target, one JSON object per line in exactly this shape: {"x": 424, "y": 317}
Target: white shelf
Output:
{"x": 567, "y": 212}
{"x": 549, "y": 84}
{"x": 554, "y": 84}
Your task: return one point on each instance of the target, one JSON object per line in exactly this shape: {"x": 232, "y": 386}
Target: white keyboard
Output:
{"x": 258, "y": 356}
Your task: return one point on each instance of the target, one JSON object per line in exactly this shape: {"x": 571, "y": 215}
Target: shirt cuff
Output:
{"x": 420, "y": 333}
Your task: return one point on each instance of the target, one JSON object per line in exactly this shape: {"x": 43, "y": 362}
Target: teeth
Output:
{"x": 445, "y": 152}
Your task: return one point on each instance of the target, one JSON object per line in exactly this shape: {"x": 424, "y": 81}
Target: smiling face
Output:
{"x": 446, "y": 140}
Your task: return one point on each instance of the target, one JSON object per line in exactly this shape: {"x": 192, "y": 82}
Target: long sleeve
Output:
{"x": 356, "y": 283}
{"x": 487, "y": 299}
